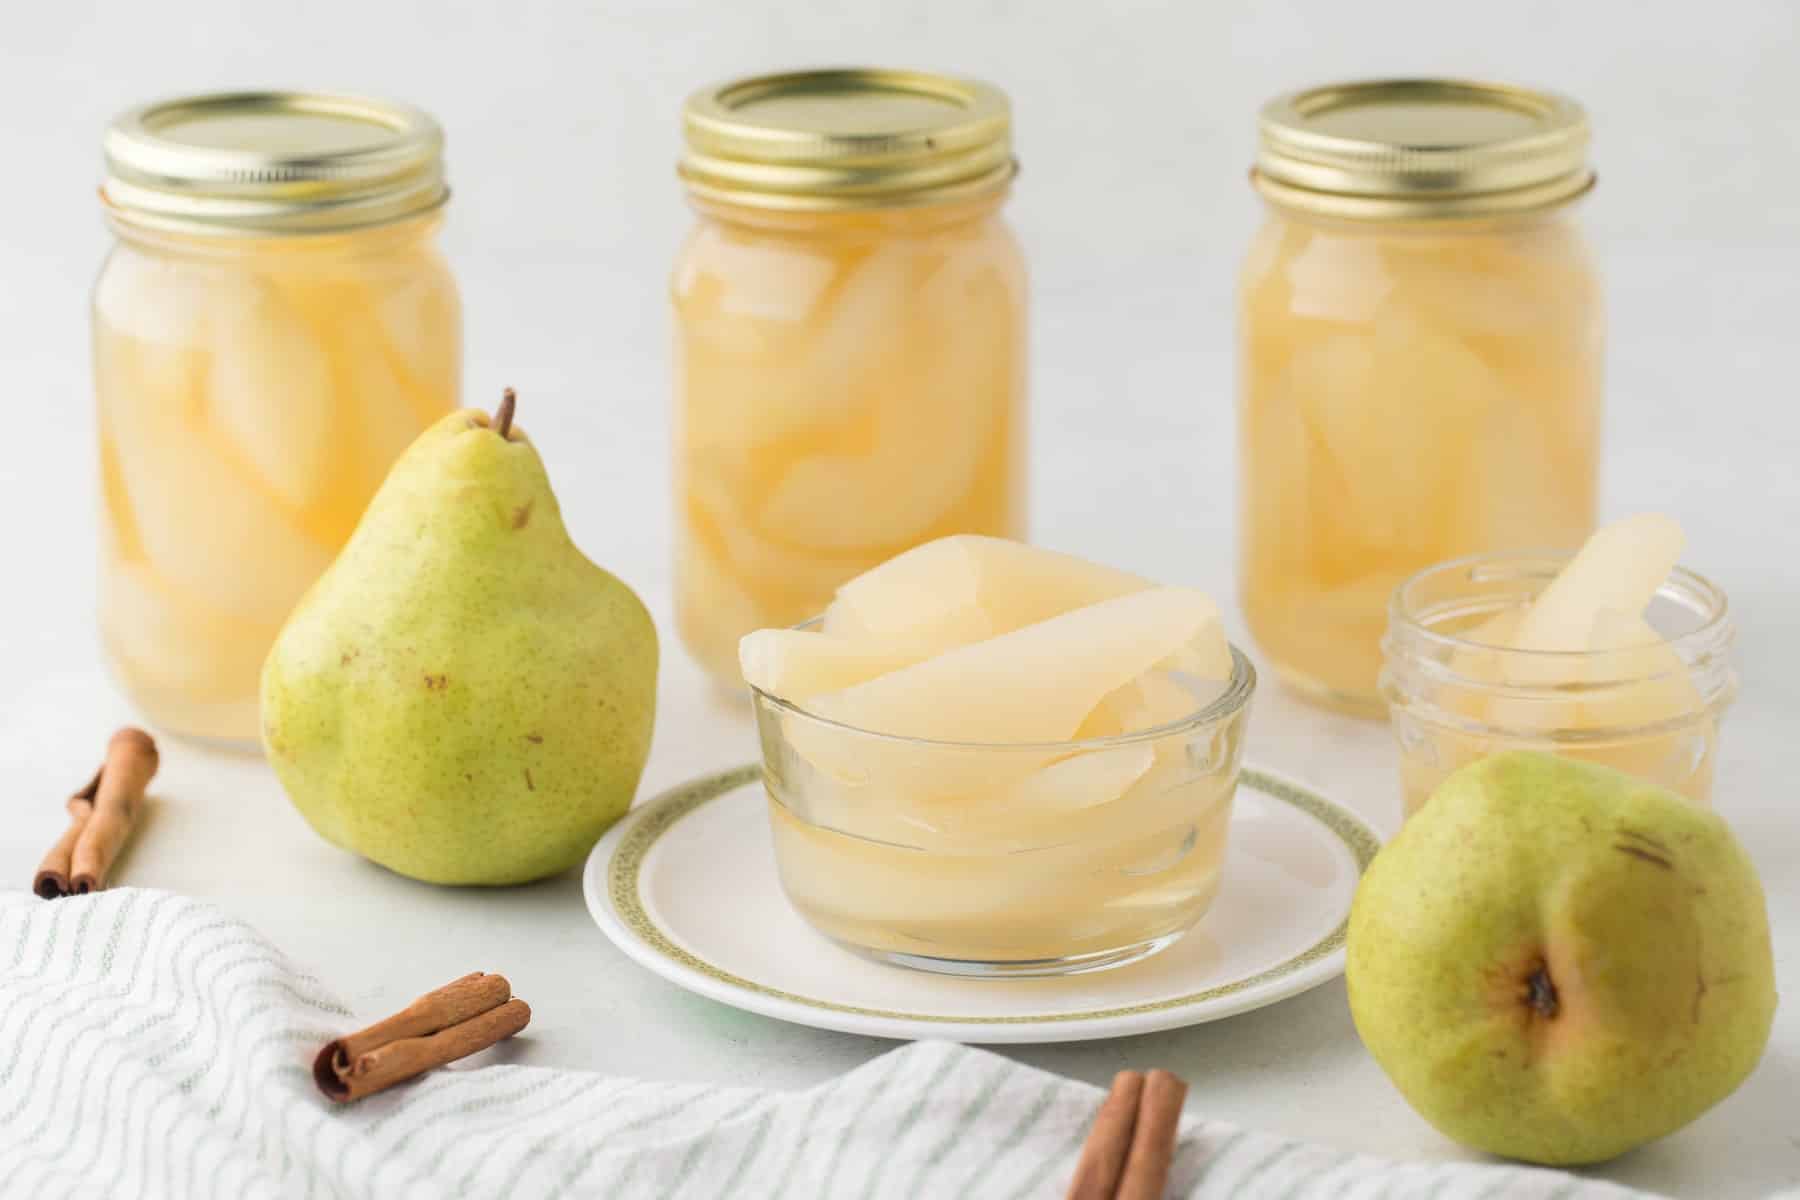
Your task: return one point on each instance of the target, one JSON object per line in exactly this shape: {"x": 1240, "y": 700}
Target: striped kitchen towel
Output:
{"x": 152, "y": 1046}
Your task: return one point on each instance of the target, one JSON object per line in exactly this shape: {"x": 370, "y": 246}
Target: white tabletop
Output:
{"x": 1132, "y": 458}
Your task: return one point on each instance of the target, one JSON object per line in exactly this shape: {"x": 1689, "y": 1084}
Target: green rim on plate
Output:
{"x": 628, "y": 860}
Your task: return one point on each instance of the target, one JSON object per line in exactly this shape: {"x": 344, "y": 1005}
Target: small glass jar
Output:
{"x": 989, "y": 860}
{"x": 1652, "y": 710}
{"x": 849, "y": 317}
{"x": 1420, "y": 338}
{"x": 274, "y": 325}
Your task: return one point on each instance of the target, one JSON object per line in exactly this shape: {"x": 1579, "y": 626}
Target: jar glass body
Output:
{"x": 1652, "y": 709}
{"x": 847, "y": 386}
{"x": 1408, "y": 394}
{"x": 252, "y": 393}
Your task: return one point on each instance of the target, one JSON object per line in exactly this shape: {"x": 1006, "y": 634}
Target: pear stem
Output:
{"x": 502, "y": 423}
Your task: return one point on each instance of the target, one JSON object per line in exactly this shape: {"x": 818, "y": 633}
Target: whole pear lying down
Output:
{"x": 1555, "y": 961}
{"x": 463, "y": 697}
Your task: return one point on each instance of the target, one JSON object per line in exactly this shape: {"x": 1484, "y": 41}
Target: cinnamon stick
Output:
{"x": 101, "y": 815}
{"x": 1103, "y": 1155}
{"x": 131, "y": 762}
{"x": 1146, "y": 1174}
{"x": 52, "y": 878}
{"x": 455, "y": 1021}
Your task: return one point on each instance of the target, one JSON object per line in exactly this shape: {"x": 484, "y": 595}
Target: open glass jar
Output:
{"x": 850, "y": 341}
{"x": 1008, "y": 859}
{"x": 1419, "y": 359}
{"x": 1652, "y": 710}
{"x": 273, "y": 327}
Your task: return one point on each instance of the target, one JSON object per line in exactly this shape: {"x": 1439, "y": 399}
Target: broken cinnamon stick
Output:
{"x": 1146, "y": 1174}
{"x": 453, "y": 1022}
{"x": 52, "y": 878}
{"x": 101, "y": 815}
{"x": 1103, "y": 1156}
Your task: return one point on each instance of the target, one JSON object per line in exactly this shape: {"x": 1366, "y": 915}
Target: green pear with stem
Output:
{"x": 1557, "y": 962}
{"x": 463, "y": 697}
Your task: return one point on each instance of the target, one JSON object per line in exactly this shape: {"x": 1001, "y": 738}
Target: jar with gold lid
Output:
{"x": 273, "y": 326}
{"x": 849, "y": 316}
{"x": 1420, "y": 338}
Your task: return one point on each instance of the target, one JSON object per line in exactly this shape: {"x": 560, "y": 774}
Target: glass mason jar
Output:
{"x": 1651, "y": 709}
{"x": 1420, "y": 338}
{"x": 849, "y": 316}
{"x": 274, "y": 325}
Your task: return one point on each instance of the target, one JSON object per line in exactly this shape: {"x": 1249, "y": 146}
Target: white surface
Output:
{"x": 1135, "y": 131}
{"x": 1287, "y": 885}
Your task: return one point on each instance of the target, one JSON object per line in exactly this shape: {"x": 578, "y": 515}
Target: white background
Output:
{"x": 1135, "y": 128}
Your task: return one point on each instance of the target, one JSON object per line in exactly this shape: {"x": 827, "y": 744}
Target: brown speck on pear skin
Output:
{"x": 1643, "y": 839}
{"x": 1647, "y": 856}
{"x": 522, "y": 515}
{"x": 536, "y": 739}
{"x": 437, "y": 683}
{"x": 529, "y": 786}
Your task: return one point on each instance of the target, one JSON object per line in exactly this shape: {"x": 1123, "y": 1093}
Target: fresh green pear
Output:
{"x": 1557, "y": 962}
{"x": 463, "y": 697}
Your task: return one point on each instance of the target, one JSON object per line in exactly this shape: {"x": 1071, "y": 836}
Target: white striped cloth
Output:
{"x": 152, "y": 1046}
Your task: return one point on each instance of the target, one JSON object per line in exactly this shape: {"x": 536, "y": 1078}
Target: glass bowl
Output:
{"x": 1651, "y": 711}
{"x": 1005, "y": 860}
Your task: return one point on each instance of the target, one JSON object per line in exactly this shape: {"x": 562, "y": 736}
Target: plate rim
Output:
{"x": 618, "y": 909}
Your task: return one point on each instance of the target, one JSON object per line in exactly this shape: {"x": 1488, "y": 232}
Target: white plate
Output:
{"x": 686, "y": 885}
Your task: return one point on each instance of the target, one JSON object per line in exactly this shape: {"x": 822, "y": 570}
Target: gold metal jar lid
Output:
{"x": 846, "y": 139}
{"x": 251, "y": 163}
{"x": 1421, "y": 149}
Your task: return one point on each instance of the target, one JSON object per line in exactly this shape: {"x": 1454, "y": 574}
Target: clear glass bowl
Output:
{"x": 1651, "y": 711}
{"x": 973, "y": 859}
